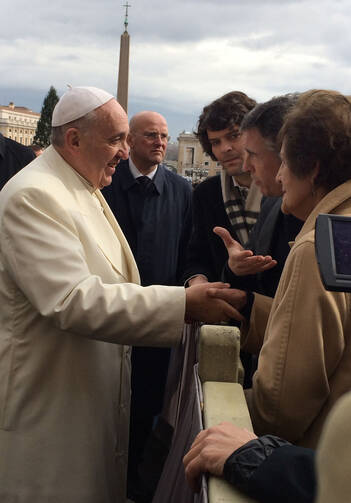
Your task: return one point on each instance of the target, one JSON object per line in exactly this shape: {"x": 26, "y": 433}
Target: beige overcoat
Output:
{"x": 305, "y": 360}
{"x": 70, "y": 305}
{"x": 334, "y": 455}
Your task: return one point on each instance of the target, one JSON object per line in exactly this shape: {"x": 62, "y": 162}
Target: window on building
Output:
{"x": 189, "y": 155}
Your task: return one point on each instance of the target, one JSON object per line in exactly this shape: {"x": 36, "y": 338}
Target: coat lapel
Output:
{"x": 335, "y": 201}
{"x": 265, "y": 244}
{"x": 132, "y": 273}
{"x": 99, "y": 219}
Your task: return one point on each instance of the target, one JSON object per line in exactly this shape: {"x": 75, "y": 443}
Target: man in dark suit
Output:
{"x": 13, "y": 157}
{"x": 153, "y": 207}
{"x": 227, "y": 201}
{"x": 257, "y": 271}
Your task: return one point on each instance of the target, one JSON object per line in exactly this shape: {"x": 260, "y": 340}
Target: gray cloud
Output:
{"x": 183, "y": 54}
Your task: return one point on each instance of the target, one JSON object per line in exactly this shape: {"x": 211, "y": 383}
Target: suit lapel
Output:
{"x": 265, "y": 244}
{"x": 119, "y": 196}
{"x": 104, "y": 227}
{"x": 130, "y": 268}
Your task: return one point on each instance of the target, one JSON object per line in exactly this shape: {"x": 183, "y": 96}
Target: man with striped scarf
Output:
{"x": 228, "y": 201}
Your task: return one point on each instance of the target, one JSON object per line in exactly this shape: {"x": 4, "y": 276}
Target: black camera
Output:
{"x": 333, "y": 250}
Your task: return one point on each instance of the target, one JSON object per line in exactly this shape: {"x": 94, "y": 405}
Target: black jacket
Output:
{"x": 206, "y": 251}
{"x": 271, "y": 470}
{"x": 158, "y": 227}
{"x": 13, "y": 157}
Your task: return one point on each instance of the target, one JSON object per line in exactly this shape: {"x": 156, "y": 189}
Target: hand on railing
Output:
{"x": 210, "y": 450}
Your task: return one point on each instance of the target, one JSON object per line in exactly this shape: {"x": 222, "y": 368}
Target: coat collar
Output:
{"x": 132, "y": 269}
{"x": 266, "y": 237}
{"x": 100, "y": 220}
{"x": 128, "y": 180}
{"x": 333, "y": 202}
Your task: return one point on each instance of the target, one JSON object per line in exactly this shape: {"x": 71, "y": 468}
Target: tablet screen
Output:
{"x": 342, "y": 246}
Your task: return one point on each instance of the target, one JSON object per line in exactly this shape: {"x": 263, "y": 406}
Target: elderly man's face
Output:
{"x": 227, "y": 148}
{"x": 105, "y": 144}
{"x": 261, "y": 161}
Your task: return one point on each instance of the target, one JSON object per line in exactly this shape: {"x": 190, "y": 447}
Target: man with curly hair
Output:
{"x": 226, "y": 201}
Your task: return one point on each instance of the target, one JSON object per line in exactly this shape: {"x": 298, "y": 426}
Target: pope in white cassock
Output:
{"x": 68, "y": 289}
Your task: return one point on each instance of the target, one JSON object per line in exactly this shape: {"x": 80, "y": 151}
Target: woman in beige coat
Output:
{"x": 302, "y": 336}
{"x": 305, "y": 352}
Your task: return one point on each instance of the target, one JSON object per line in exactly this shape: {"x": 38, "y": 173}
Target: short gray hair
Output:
{"x": 84, "y": 124}
{"x": 268, "y": 117}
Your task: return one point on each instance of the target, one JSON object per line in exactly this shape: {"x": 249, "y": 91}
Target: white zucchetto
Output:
{"x": 77, "y": 102}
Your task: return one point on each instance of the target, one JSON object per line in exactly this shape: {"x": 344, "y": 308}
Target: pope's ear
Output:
{"x": 73, "y": 138}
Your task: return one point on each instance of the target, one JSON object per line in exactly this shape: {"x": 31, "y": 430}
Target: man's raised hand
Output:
{"x": 240, "y": 261}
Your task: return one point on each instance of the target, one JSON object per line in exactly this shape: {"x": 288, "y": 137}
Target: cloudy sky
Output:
{"x": 184, "y": 53}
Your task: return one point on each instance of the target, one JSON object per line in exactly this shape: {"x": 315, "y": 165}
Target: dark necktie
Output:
{"x": 144, "y": 182}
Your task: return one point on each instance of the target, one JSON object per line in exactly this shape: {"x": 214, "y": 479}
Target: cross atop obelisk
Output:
{"x": 126, "y": 5}
{"x": 123, "y": 72}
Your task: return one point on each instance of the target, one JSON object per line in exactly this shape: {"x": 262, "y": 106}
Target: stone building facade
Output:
{"x": 192, "y": 160}
{"x": 18, "y": 123}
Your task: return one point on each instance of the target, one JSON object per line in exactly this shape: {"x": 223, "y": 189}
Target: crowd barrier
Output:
{"x": 221, "y": 376}
{"x": 203, "y": 389}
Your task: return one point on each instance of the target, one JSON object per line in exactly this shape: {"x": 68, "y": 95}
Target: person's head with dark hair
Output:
{"x": 315, "y": 150}
{"x": 37, "y": 148}
{"x": 218, "y": 129}
{"x": 268, "y": 117}
{"x": 259, "y": 130}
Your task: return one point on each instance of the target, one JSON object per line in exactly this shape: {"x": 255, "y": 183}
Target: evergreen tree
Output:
{"x": 42, "y": 133}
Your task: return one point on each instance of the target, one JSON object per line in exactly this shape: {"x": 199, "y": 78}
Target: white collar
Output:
{"x": 136, "y": 173}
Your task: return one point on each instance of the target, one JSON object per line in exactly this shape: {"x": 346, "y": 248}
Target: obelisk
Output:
{"x": 123, "y": 71}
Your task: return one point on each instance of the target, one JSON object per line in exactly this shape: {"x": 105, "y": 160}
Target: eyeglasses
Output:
{"x": 154, "y": 136}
